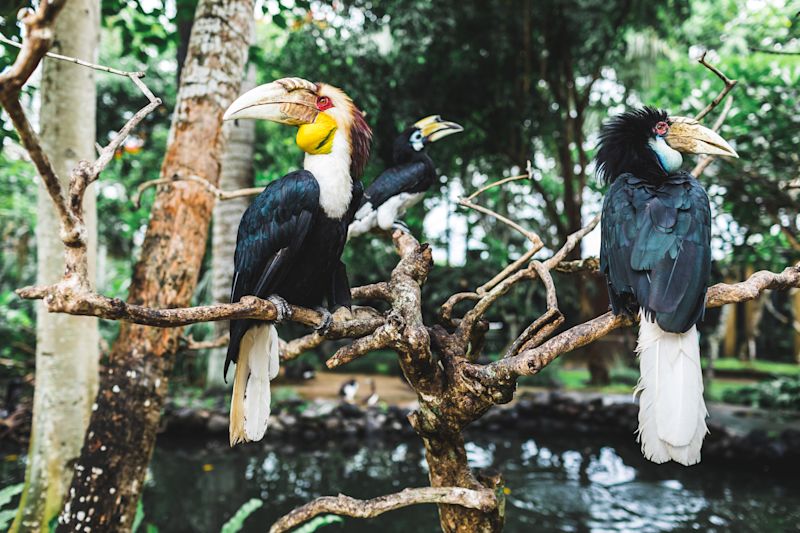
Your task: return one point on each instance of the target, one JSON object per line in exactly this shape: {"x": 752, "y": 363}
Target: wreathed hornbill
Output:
{"x": 290, "y": 239}
{"x": 656, "y": 255}
{"x": 404, "y": 184}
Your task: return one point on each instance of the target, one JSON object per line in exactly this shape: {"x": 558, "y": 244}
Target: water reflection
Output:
{"x": 557, "y": 484}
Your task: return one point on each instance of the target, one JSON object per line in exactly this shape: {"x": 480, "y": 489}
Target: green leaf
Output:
{"x": 234, "y": 525}
{"x": 6, "y": 517}
{"x": 137, "y": 520}
{"x": 7, "y": 493}
{"x": 319, "y": 522}
{"x": 6, "y": 496}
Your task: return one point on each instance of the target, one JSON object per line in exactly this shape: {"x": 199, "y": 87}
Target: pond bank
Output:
{"x": 736, "y": 433}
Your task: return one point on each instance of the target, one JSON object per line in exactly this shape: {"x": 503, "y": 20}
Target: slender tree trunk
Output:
{"x": 753, "y": 310}
{"x": 119, "y": 441}
{"x": 729, "y": 346}
{"x": 67, "y": 347}
{"x": 795, "y": 299}
{"x": 716, "y": 340}
{"x": 237, "y": 173}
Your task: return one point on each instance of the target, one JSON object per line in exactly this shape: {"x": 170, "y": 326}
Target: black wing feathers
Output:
{"x": 655, "y": 248}
{"x": 271, "y": 232}
{"x": 408, "y": 177}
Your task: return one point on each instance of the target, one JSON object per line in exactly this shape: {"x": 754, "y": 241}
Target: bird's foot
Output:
{"x": 282, "y": 307}
{"x": 402, "y": 226}
{"x": 325, "y": 323}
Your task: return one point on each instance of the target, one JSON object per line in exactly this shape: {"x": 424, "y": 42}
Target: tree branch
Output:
{"x": 218, "y": 193}
{"x": 39, "y": 36}
{"x": 708, "y": 159}
{"x": 484, "y": 500}
{"x": 531, "y": 361}
{"x": 729, "y": 84}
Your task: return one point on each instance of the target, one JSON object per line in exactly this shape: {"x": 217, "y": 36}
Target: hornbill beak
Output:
{"x": 688, "y": 136}
{"x": 287, "y": 101}
{"x": 434, "y": 128}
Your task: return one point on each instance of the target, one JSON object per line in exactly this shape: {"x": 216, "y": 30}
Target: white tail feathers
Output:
{"x": 257, "y": 365}
{"x": 672, "y": 412}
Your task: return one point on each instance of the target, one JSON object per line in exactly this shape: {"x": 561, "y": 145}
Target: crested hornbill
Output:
{"x": 656, "y": 255}
{"x": 291, "y": 238}
{"x": 404, "y": 184}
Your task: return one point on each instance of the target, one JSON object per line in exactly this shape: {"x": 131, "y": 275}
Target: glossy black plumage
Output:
{"x": 413, "y": 172}
{"x": 656, "y": 228}
{"x": 286, "y": 245}
{"x": 655, "y": 248}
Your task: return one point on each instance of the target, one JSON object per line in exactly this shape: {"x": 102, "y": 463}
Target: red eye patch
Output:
{"x": 323, "y": 103}
{"x": 661, "y": 128}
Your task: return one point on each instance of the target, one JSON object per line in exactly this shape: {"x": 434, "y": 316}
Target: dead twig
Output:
{"x": 218, "y": 193}
{"x": 729, "y": 84}
{"x": 498, "y": 183}
{"x": 68, "y": 59}
{"x": 706, "y": 160}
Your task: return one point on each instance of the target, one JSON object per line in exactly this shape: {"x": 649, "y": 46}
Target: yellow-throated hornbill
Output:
{"x": 291, "y": 238}
{"x": 656, "y": 256}
{"x": 404, "y": 184}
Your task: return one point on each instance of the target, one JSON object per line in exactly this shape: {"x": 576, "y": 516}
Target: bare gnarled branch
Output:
{"x": 484, "y": 500}
{"x": 532, "y": 361}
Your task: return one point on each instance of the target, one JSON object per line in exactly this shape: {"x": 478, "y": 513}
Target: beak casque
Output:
{"x": 689, "y": 136}
{"x": 287, "y": 101}
{"x": 434, "y": 128}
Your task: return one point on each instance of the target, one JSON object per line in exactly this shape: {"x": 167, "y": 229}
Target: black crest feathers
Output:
{"x": 624, "y": 147}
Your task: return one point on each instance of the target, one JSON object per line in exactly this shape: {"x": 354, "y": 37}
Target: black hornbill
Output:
{"x": 291, "y": 238}
{"x": 656, "y": 255}
{"x": 404, "y": 184}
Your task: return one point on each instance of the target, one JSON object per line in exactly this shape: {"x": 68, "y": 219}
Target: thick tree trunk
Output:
{"x": 447, "y": 463}
{"x": 119, "y": 441}
{"x": 67, "y": 347}
{"x": 237, "y": 173}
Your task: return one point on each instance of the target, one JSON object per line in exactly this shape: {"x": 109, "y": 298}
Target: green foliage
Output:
{"x": 318, "y": 523}
{"x": 781, "y": 393}
{"x": 7, "y": 512}
{"x": 773, "y": 368}
{"x": 236, "y": 522}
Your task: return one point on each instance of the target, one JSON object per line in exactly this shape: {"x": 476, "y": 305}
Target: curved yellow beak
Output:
{"x": 286, "y": 101}
{"x": 688, "y": 136}
{"x": 434, "y": 128}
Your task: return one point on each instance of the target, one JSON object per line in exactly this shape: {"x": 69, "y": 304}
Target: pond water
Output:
{"x": 557, "y": 484}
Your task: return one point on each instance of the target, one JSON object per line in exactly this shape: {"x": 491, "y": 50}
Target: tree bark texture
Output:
{"x": 67, "y": 347}
{"x": 119, "y": 441}
{"x": 237, "y": 173}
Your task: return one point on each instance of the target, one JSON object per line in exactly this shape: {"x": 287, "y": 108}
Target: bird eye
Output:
{"x": 323, "y": 103}
{"x": 661, "y": 128}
